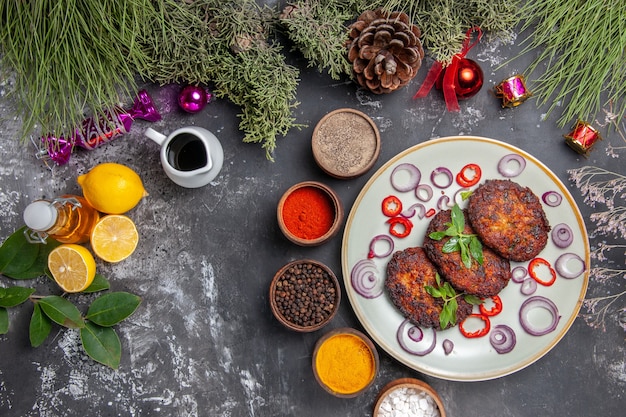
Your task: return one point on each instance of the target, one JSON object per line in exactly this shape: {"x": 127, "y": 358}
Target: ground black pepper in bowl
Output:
{"x": 304, "y": 295}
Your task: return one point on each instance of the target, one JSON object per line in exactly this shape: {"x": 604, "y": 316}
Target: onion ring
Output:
{"x": 552, "y": 198}
{"x": 562, "y": 235}
{"x": 427, "y": 189}
{"x": 364, "y": 279}
{"x": 518, "y": 274}
{"x": 443, "y": 202}
{"x": 414, "y": 177}
{"x": 437, "y": 172}
{"x": 528, "y": 287}
{"x": 532, "y": 303}
{"x": 563, "y": 264}
{"x": 410, "y": 211}
{"x": 430, "y": 334}
{"x": 502, "y": 338}
{"x": 504, "y": 166}
{"x": 372, "y": 252}
{"x": 448, "y": 346}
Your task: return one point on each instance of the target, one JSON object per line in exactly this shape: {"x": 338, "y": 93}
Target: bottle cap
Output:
{"x": 40, "y": 215}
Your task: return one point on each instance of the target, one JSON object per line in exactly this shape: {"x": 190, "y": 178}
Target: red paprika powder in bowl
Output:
{"x": 309, "y": 213}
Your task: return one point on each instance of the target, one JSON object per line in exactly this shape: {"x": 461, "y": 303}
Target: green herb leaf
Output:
{"x": 466, "y": 194}
{"x": 61, "y": 311}
{"x": 17, "y": 254}
{"x": 4, "y": 320}
{"x": 100, "y": 283}
{"x": 468, "y": 245}
{"x": 445, "y": 291}
{"x": 101, "y": 344}
{"x": 39, "y": 328}
{"x": 109, "y": 309}
{"x": 452, "y": 245}
{"x": 458, "y": 219}
{"x": 432, "y": 291}
{"x": 13, "y": 296}
{"x": 472, "y": 299}
{"x": 476, "y": 249}
{"x": 437, "y": 235}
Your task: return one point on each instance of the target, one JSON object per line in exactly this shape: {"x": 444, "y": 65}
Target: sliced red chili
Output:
{"x": 392, "y": 206}
{"x": 533, "y": 272}
{"x": 404, "y": 229}
{"x": 477, "y": 333}
{"x": 463, "y": 180}
{"x": 495, "y": 309}
{"x": 431, "y": 212}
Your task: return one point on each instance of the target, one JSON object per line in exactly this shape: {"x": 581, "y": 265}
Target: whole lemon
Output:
{"x": 112, "y": 188}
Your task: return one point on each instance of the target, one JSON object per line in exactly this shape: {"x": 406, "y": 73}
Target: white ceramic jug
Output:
{"x": 191, "y": 156}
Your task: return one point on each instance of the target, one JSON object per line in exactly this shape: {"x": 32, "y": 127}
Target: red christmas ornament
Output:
{"x": 193, "y": 98}
{"x": 468, "y": 80}
{"x": 461, "y": 79}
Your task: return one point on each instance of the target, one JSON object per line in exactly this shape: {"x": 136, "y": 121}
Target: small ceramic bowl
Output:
{"x": 316, "y": 300}
{"x": 402, "y": 389}
{"x": 345, "y": 143}
{"x": 345, "y": 362}
{"x": 310, "y": 213}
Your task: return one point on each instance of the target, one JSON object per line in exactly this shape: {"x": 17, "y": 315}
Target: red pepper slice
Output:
{"x": 537, "y": 263}
{"x": 392, "y": 206}
{"x": 463, "y": 180}
{"x": 405, "y": 226}
{"x": 478, "y": 333}
{"x": 495, "y": 309}
{"x": 431, "y": 212}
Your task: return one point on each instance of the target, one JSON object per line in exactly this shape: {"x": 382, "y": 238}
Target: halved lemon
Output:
{"x": 114, "y": 238}
{"x": 72, "y": 267}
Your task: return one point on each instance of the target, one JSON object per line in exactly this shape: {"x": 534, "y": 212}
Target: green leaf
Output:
{"x": 100, "y": 283}
{"x": 62, "y": 312}
{"x": 109, "y": 309}
{"x": 4, "y": 320}
{"x": 17, "y": 254}
{"x": 432, "y": 291}
{"x": 476, "y": 249}
{"x": 466, "y": 194}
{"x": 437, "y": 235}
{"x": 458, "y": 219}
{"x": 40, "y": 326}
{"x": 472, "y": 299}
{"x": 13, "y": 296}
{"x": 40, "y": 266}
{"x": 465, "y": 253}
{"x": 452, "y": 245}
{"x": 101, "y": 344}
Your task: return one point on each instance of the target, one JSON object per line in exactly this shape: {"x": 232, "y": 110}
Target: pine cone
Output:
{"x": 385, "y": 50}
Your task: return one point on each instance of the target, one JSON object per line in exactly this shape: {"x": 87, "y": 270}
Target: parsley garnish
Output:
{"x": 468, "y": 244}
{"x": 450, "y": 305}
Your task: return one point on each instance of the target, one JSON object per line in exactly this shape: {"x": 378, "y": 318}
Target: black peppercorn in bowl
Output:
{"x": 304, "y": 295}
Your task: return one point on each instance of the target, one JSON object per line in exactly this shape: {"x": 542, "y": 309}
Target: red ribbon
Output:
{"x": 450, "y": 75}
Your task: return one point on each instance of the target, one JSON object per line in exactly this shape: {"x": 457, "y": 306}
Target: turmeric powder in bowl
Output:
{"x": 345, "y": 362}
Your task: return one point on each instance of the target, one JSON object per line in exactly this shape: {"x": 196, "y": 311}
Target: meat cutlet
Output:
{"x": 509, "y": 219}
{"x": 408, "y": 271}
{"x": 483, "y": 280}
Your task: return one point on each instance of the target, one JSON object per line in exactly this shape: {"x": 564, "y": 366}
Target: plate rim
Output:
{"x": 428, "y": 370}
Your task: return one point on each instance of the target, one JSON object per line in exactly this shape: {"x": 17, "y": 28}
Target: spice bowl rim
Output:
{"x": 283, "y": 320}
{"x": 338, "y": 214}
{"x": 365, "y": 339}
{"x": 325, "y": 167}
{"x": 408, "y": 383}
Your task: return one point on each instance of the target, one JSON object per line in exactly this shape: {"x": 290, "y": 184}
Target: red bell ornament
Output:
{"x": 467, "y": 81}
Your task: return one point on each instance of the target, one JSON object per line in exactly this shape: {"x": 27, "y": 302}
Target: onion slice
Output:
{"x": 562, "y": 235}
{"x": 443, "y": 202}
{"x": 411, "y": 211}
{"x": 552, "y": 198}
{"x": 373, "y": 245}
{"x": 411, "y": 183}
{"x": 422, "y": 189}
{"x": 518, "y": 274}
{"x": 511, "y": 165}
{"x": 364, "y": 279}
{"x": 502, "y": 338}
{"x": 563, "y": 265}
{"x": 448, "y": 346}
{"x": 438, "y": 173}
{"x": 532, "y": 303}
{"x": 528, "y": 287}
{"x": 410, "y": 343}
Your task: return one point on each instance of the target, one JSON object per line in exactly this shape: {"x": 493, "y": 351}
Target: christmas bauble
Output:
{"x": 468, "y": 80}
{"x": 193, "y": 98}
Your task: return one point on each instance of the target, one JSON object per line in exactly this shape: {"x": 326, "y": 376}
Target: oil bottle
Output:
{"x": 67, "y": 219}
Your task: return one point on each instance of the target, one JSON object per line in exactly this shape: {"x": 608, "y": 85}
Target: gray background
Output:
{"x": 204, "y": 342}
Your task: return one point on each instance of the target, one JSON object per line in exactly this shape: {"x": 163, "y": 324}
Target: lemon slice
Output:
{"x": 114, "y": 238}
{"x": 72, "y": 267}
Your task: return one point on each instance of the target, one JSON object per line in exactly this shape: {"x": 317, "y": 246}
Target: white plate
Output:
{"x": 471, "y": 359}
